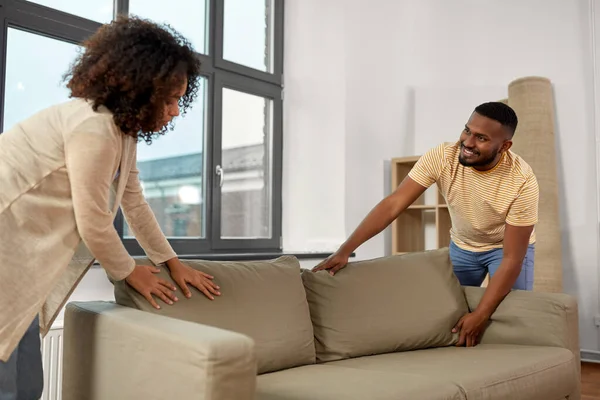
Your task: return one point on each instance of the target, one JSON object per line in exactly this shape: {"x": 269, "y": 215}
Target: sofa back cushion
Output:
{"x": 388, "y": 304}
{"x": 263, "y": 299}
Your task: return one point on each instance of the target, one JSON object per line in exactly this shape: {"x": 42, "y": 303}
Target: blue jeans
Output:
{"x": 471, "y": 267}
{"x": 22, "y": 377}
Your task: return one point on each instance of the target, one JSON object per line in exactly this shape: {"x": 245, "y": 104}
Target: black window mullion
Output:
{"x": 207, "y": 176}
{"x": 3, "y": 43}
{"x": 206, "y": 64}
{"x": 278, "y": 32}
{"x": 217, "y": 157}
{"x": 213, "y": 37}
{"x": 121, "y": 7}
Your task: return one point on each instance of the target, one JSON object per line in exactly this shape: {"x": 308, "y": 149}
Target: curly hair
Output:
{"x": 132, "y": 66}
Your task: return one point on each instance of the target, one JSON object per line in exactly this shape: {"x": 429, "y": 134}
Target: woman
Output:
{"x": 63, "y": 174}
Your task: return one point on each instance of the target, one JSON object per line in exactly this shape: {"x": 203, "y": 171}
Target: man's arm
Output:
{"x": 516, "y": 240}
{"x": 384, "y": 214}
{"x": 386, "y": 211}
{"x": 425, "y": 173}
{"x": 521, "y": 218}
{"x": 471, "y": 326}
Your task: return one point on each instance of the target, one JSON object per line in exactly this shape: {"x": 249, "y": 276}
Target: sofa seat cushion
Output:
{"x": 485, "y": 371}
{"x": 395, "y": 303}
{"x": 328, "y": 382}
{"x": 264, "y": 300}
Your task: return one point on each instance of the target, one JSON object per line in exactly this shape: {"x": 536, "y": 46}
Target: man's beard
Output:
{"x": 478, "y": 163}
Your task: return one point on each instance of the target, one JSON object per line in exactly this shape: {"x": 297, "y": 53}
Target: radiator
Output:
{"x": 52, "y": 347}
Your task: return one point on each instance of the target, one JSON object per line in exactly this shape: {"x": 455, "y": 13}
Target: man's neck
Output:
{"x": 483, "y": 168}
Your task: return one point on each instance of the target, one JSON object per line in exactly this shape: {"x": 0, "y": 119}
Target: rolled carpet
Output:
{"x": 533, "y": 101}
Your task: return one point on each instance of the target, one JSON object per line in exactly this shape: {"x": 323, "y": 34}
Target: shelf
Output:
{"x": 405, "y": 160}
{"x": 400, "y": 167}
{"x": 443, "y": 225}
{"x": 426, "y": 223}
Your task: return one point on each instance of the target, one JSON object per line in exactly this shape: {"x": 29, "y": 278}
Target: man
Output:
{"x": 492, "y": 195}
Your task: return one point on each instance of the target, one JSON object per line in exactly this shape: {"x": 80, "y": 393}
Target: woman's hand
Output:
{"x": 143, "y": 280}
{"x": 182, "y": 275}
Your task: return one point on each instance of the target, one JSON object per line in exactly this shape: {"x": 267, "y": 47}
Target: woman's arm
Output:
{"x": 90, "y": 155}
{"x": 149, "y": 235}
{"x": 143, "y": 223}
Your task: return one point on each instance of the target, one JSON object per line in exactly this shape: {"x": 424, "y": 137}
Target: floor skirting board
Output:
{"x": 590, "y": 356}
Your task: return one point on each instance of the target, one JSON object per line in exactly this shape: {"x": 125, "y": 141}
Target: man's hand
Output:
{"x": 471, "y": 327}
{"x": 333, "y": 263}
{"x": 182, "y": 275}
{"x": 143, "y": 280}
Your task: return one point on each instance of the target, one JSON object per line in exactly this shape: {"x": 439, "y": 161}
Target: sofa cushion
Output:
{"x": 323, "y": 382}
{"x": 394, "y": 303}
{"x": 262, "y": 299}
{"x": 485, "y": 371}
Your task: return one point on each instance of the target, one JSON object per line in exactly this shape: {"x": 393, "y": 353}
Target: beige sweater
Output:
{"x": 58, "y": 200}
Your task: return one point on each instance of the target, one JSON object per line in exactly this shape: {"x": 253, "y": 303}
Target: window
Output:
{"x": 214, "y": 182}
{"x": 248, "y": 33}
{"x": 246, "y": 166}
{"x": 31, "y": 83}
{"x": 189, "y": 17}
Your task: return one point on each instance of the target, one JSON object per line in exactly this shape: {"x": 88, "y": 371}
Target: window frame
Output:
{"x": 220, "y": 73}
{"x": 228, "y": 80}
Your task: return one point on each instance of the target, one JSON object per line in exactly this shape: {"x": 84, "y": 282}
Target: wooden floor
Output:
{"x": 590, "y": 381}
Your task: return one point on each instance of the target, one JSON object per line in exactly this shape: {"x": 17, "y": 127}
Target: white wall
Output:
{"x": 413, "y": 71}
{"x": 94, "y": 286}
{"x": 314, "y": 127}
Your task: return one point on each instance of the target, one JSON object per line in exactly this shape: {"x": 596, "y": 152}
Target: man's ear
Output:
{"x": 506, "y": 145}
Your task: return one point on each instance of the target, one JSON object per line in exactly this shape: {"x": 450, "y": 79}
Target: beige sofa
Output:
{"x": 378, "y": 330}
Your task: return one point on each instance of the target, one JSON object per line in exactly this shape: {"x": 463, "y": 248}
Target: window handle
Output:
{"x": 221, "y": 173}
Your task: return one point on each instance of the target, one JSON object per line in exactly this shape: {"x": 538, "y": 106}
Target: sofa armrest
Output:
{"x": 531, "y": 318}
{"x": 113, "y": 352}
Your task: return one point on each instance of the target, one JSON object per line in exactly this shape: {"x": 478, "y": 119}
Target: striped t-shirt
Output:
{"x": 481, "y": 202}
